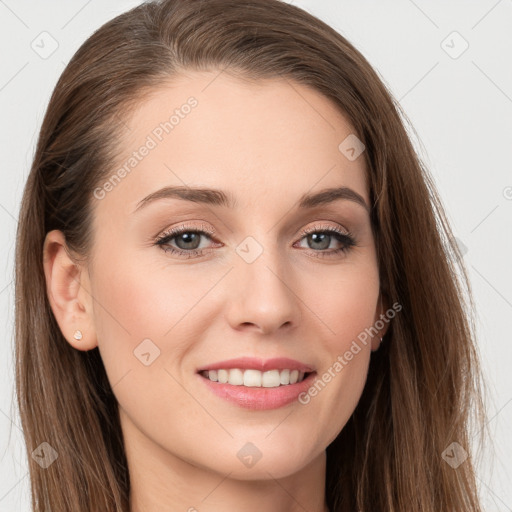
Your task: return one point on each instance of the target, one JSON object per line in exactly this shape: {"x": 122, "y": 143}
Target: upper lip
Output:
{"x": 252, "y": 363}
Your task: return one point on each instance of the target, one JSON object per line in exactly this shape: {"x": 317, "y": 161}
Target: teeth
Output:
{"x": 255, "y": 378}
{"x": 252, "y": 378}
{"x": 270, "y": 379}
{"x": 236, "y": 377}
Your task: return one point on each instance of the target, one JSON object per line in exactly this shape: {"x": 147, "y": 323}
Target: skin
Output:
{"x": 267, "y": 143}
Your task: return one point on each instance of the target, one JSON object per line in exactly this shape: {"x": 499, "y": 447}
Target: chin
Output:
{"x": 263, "y": 460}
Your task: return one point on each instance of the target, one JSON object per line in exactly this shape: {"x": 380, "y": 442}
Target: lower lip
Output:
{"x": 259, "y": 398}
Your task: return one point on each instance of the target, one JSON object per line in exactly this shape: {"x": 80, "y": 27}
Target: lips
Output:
{"x": 251, "y": 363}
{"x": 259, "y": 398}
{"x": 271, "y": 393}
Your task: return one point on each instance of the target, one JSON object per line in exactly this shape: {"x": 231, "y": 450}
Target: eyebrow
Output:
{"x": 216, "y": 197}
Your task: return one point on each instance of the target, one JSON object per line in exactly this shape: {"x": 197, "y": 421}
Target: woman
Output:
{"x": 237, "y": 288}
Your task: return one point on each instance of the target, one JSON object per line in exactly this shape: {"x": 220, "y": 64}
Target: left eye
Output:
{"x": 188, "y": 239}
{"x": 323, "y": 238}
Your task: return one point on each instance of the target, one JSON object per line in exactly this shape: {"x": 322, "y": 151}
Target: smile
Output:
{"x": 255, "y": 378}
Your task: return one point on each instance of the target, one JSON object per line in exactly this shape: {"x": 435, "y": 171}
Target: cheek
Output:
{"x": 345, "y": 306}
{"x": 150, "y": 312}
{"x": 140, "y": 313}
{"x": 135, "y": 310}
{"x": 345, "y": 303}
{"x": 141, "y": 300}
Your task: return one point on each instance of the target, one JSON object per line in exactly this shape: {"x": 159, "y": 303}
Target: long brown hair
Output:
{"x": 424, "y": 385}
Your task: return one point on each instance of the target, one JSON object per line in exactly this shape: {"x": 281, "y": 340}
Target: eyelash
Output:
{"x": 346, "y": 238}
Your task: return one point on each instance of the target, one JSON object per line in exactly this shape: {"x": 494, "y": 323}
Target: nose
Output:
{"x": 262, "y": 297}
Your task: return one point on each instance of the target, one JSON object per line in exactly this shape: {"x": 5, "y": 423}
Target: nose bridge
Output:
{"x": 262, "y": 285}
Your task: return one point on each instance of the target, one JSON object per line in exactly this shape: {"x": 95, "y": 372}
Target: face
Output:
{"x": 180, "y": 283}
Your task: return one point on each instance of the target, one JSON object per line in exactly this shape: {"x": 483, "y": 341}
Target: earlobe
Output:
{"x": 67, "y": 287}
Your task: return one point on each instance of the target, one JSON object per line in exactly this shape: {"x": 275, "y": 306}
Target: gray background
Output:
{"x": 459, "y": 102}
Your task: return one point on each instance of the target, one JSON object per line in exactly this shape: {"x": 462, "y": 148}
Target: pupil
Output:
{"x": 323, "y": 238}
{"x": 188, "y": 239}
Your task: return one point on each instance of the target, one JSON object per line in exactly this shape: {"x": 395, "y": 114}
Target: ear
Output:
{"x": 68, "y": 289}
{"x": 381, "y": 321}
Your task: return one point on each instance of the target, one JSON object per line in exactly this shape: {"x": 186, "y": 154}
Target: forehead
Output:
{"x": 255, "y": 139}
